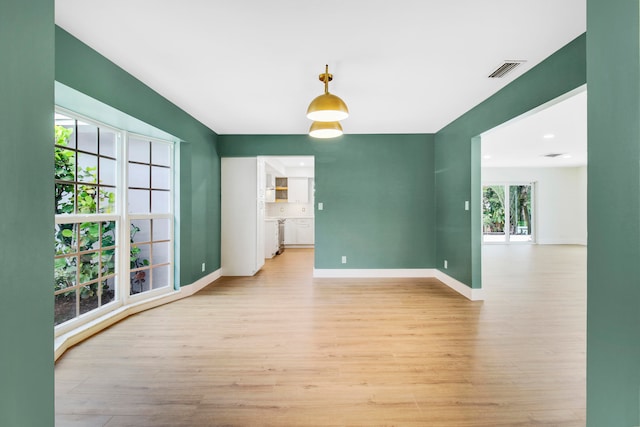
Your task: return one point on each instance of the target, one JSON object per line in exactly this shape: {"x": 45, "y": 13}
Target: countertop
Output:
{"x": 287, "y": 217}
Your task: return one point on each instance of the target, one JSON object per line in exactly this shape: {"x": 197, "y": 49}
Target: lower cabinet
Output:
{"x": 270, "y": 238}
{"x": 290, "y": 232}
{"x": 299, "y": 231}
{"x": 304, "y": 231}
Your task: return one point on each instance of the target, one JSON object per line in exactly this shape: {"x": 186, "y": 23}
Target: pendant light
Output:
{"x": 325, "y": 130}
{"x": 327, "y": 107}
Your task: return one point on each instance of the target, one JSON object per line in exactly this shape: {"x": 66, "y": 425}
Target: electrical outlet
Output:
{"x": 344, "y": 259}
{"x": 203, "y": 266}
{"x": 446, "y": 264}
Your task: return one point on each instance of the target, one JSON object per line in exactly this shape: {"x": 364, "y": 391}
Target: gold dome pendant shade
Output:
{"x": 325, "y": 130}
{"x": 327, "y": 107}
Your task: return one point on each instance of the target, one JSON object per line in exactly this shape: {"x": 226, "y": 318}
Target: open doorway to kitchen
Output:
{"x": 267, "y": 205}
{"x": 289, "y": 203}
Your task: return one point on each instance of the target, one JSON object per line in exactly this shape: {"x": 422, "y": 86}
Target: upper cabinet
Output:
{"x": 298, "y": 190}
{"x": 282, "y": 189}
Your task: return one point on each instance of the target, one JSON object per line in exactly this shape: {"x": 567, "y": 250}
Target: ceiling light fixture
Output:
{"x": 326, "y": 111}
{"x": 548, "y": 136}
{"x": 325, "y": 130}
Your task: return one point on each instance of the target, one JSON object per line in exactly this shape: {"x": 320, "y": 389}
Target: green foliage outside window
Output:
{"x": 493, "y": 215}
{"x": 81, "y": 195}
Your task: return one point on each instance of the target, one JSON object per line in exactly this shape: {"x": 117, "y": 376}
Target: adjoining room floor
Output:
{"x": 284, "y": 349}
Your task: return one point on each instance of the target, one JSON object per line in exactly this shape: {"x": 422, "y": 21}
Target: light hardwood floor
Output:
{"x": 283, "y": 349}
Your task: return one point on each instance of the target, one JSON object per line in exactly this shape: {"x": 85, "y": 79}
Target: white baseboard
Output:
{"x": 461, "y": 288}
{"x": 71, "y": 338}
{"x": 582, "y": 242}
{"x": 372, "y": 273}
{"x": 470, "y": 293}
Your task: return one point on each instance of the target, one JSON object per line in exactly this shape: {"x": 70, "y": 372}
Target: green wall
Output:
{"x": 26, "y": 113}
{"x": 26, "y": 209}
{"x": 613, "y": 268}
{"x": 377, "y": 191}
{"x": 85, "y": 70}
{"x": 457, "y": 162}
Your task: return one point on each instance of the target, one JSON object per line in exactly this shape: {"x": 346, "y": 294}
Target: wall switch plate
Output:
{"x": 320, "y": 206}
{"x": 344, "y": 259}
{"x": 446, "y": 264}
{"x": 466, "y": 205}
{"x": 203, "y": 266}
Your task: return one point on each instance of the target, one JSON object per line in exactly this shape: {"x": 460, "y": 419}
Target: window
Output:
{"x": 149, "y": 191}
{"x": 97, "y": 221}
{"x": 85, "y": 274}
{"x": 512, "y": 224}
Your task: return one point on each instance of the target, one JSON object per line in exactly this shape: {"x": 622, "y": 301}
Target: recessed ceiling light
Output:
{"x": 548, "y": 136}
{"x": 486, "y": 156}
{"x": 566, "y": 156}
{"x": 301, "y": 163}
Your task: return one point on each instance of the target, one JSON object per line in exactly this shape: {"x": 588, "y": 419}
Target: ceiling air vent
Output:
{"x": 504, "y": 69}
{"x": 552, "y": 155}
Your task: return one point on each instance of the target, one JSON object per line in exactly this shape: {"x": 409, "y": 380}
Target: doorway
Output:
{"x": 289, "y": 220}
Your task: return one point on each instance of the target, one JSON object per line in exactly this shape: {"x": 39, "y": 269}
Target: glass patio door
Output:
{"x": 507, "y": 214}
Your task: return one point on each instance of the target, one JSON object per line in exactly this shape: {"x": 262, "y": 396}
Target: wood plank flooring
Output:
{"x": 283, "y": 349}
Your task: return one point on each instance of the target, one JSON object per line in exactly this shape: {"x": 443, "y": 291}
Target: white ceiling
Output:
{"x": 560, "y": 128}
{"x": 251, "y": 66}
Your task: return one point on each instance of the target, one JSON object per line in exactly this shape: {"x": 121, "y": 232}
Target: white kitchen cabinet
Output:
{"x": 270, "y": 238}
{"x": 290, "y": 233}
{"x": 298, "y": 190}
{"x": 304, "y": 231}
{"x": 299, "y": 231}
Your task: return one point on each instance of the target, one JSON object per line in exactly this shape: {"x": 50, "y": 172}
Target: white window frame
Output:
{"x": 127, "y": 297}
{"x": 122, "y": 219}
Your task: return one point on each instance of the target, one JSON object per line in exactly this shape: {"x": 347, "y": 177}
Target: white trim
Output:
{"x": 65, "y": 341}
{"x": 461, "y": 288}
{"x": 371, "y": 273}
{"x": 554, "y": 241}
{"x": 123, "y": 283}
{"x": 470, "y": 293}
{"x": 71, "y": 101}
{"x": 79, "y": 218}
